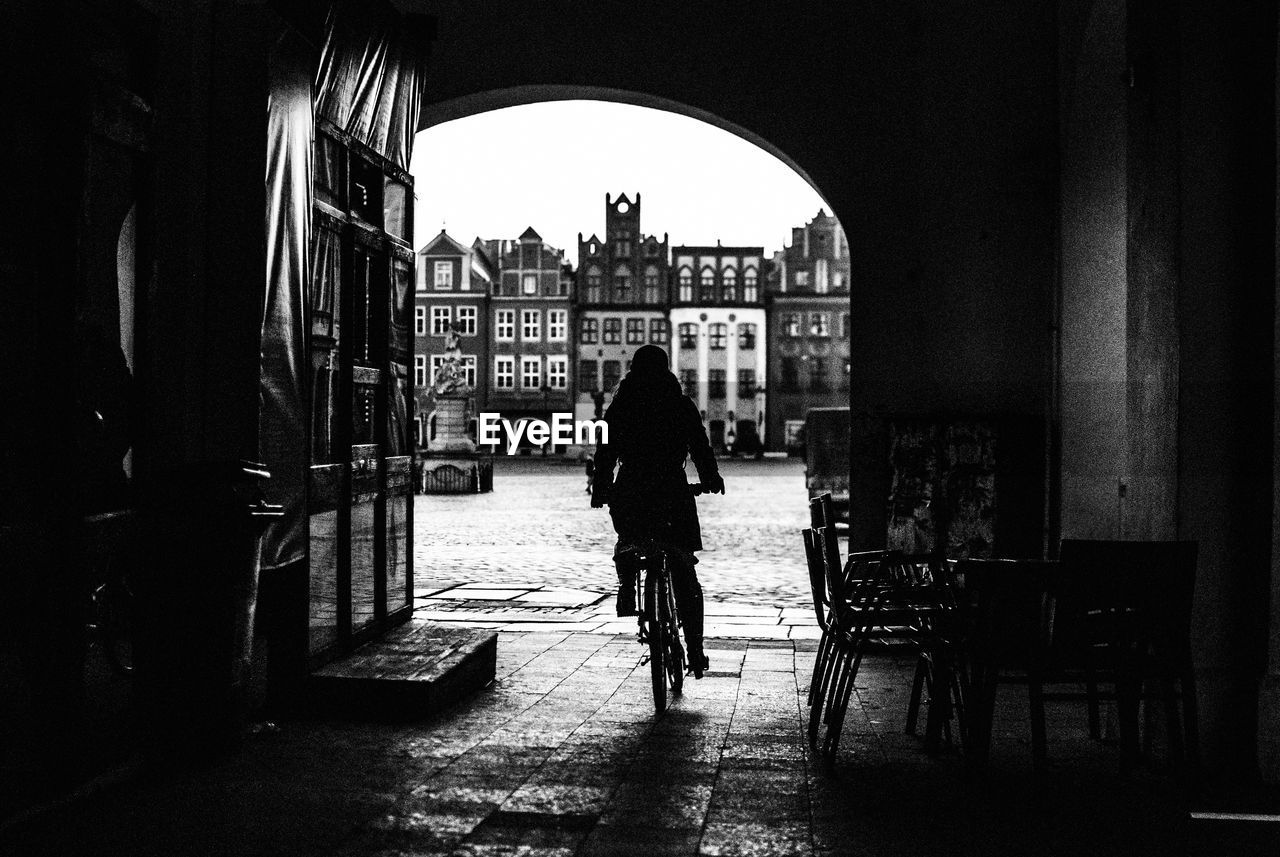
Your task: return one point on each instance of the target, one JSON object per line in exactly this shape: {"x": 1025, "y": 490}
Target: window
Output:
{"x": 750, "y": 293}
{"x": 439, "y": 320}
{"x": 718, "y": 334}
{"x": 715, "y": 383}
{"x": 791, "y": 325}
{"x": 444, "y": 274}
{"x": 729, "y": 285}
{"x": 624, "y": 249}
{"x": 822, "y": 281}
{"x": 689, "y": 381}
{"x": 688, "y": 335}
{"x": 590, "y": 331}
{"x": 506, "y": 325}
{"x": 844, "y": 326}
{"x": 419, "y": 370}
{"x": 707, "y": 286}
{"x": 819, "y": 324}
{"x": 468, "y": 367}
{"x": 746, "y": 383}
{"x": 651, "y": 249}
{"x": 557, "y": 325}
{"x": 652, "y": 293}
{"x": 612, "y": 374}
{"x": 686, "y": 285}
{"x": 588, "y": 376}
{"x": 419, "y": 321}
{"x": 802, "y": 278}
{"x": 659, "y": 331}
{"x": 790, "y": 374}
{"x": 557, "y": 372}
{"x": 593, "y": 284}
{"x": 622, "y": 284}
{"x": 635, "y": 331}
{"x": 529, "y": 284}
{"x": 817, "y": 374}
{"x": 531, "y": 373}
{"x": 530, "y": 325}
{"x": 837, "y": 280}
{"x": 466, "y": 321}
{"x": 612, "y": 331}
{"x": 504, "y": 373}
{"x": 746, "y": 337}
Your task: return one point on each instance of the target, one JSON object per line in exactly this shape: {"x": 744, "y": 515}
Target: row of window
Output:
{"x": 819, "y": 374}
{"x": 728, "y": 286}
{"x": 717, "y": 383}
{"x": 462, "y": 320}
{"x": 718, "y": 336}
{"x": 819, "y": 324}
{"x": 659, "y": 331}
{"x": 531, "y": 372}
{"x": 622, "y": 248}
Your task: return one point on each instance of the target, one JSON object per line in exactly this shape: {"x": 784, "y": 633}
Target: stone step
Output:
{"x": 412, "y": 673}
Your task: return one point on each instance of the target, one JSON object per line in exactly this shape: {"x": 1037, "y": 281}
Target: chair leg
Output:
{"x": 917, "y": 688}
{"x": 1035, "y": 694}
{"x": 831, "y": 667}
{"x": 1128, "y": 693}
{"x": 1091, "y": 692}
{"x": 835, "y": 723}
{"x": 981, "y": 721}
{"x": 819, "y": 665}
{"x": 939, "y": 718}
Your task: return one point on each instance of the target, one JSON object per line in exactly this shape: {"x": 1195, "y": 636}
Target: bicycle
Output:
{"x": 659, "y": 620}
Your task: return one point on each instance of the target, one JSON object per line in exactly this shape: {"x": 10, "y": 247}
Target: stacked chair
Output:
{"x": 873, "y": 596}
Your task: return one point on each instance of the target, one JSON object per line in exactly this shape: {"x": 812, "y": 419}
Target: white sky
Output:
{"x": 549, "y": 166}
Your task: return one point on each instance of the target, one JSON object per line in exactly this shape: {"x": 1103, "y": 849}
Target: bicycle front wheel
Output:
{"x": 675, "y": 660}
{"x": 653, "y": 595}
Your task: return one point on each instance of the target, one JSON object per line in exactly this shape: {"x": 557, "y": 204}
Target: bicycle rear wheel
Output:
{"x": 657, "y": 640}
{"x": 674, "y": 649}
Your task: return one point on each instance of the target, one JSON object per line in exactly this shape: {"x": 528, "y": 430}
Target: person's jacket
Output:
{"x": 653, "y": 428}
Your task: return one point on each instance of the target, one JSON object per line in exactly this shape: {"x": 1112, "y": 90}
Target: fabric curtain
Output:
{"x": 369, "y": 81}
{"x": 282, "y": 420}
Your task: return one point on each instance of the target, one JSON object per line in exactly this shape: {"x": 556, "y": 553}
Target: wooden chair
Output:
{"x": 1103, "y": 623}
{"x": 1123, "y": 612}
{"x": 1008, "y": 603}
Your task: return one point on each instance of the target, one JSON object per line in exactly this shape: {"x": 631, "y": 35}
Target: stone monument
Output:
{"x": 451, "y": 463}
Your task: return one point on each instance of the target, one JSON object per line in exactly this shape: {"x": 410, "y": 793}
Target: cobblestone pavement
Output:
{"x": 562, "y": 756}
{"x": 533, "y": 551}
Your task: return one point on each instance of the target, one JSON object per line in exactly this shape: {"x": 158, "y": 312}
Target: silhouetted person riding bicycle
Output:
{"x": 653, "y": 427}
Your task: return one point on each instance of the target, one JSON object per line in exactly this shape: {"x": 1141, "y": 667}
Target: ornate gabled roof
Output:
{"x": 530, "y": 235}
{"x": 443, "y": 245}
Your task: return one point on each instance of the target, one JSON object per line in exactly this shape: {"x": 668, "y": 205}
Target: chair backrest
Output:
{"x": 1008, "y": 605}
{"x": 822, "y": 511}
{"x": 816, "y": 563}
{"x": 1128, "y": 593}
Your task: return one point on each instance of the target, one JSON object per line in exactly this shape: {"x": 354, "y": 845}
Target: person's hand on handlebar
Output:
{"x": 714, "y": 485}
{"x": 599, "y": 496}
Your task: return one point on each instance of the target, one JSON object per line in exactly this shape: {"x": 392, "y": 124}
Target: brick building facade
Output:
{"x": 622, "y": 302}
{"x": 808, "y": 323}
{"x": 531, "y": 340}
{"x": 454, "y": 282}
